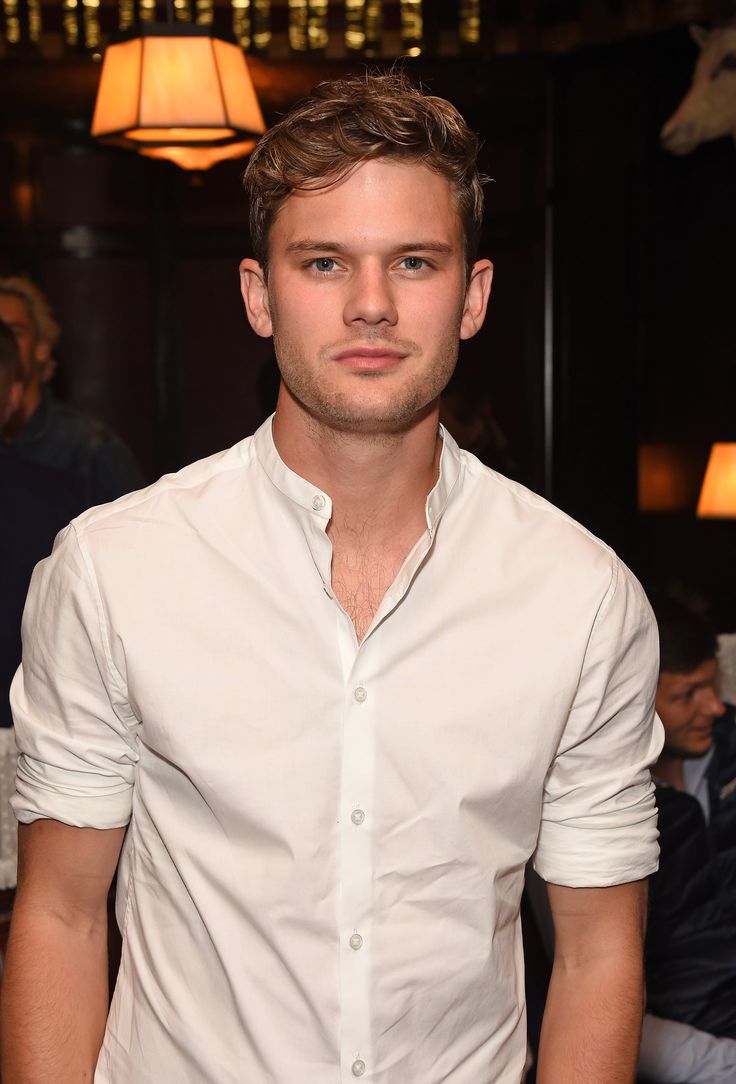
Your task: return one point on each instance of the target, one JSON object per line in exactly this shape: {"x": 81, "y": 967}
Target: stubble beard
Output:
{"x": 345, "y": 413}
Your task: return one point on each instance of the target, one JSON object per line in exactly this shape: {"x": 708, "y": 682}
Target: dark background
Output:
{"x": 612, "y": 322}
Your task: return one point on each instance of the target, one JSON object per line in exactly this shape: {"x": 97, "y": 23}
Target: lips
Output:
{"x": 702, "y": 732}
{"x": 370, "y": 358}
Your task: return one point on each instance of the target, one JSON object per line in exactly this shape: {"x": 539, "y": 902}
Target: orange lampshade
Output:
{"x": 176, "y": 86}
{"x": 200, "y": 157}
{"x": 718, "y": 495}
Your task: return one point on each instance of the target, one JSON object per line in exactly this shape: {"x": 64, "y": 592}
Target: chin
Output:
{"x": 695, "y": 752}
{"x": 382, "y": 419}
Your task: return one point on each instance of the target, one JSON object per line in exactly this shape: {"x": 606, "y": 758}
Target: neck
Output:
{"x": 380, "y": 480}
{"x": 670, "y": 769}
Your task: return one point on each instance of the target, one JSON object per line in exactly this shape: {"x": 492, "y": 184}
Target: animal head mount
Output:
{"x": 708, "y": 110}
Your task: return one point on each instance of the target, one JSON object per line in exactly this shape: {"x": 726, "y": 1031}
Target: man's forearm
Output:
{"x": 54, "y": 999}
{"x": 592, "y": 1023}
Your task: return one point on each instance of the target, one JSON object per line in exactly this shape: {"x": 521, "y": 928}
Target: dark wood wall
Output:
{"x": 611, "y": 322}
{"x": 644, "y": 286}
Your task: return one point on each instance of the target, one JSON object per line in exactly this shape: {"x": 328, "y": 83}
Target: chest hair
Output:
{"x": 364, "y": 566}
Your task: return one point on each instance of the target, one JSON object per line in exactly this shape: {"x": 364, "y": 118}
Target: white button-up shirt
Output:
{"x": 326, "y": 845}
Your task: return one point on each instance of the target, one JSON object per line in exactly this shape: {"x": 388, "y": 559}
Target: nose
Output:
{"x": 370, "y": 299}
{"x": 713, "y": 706}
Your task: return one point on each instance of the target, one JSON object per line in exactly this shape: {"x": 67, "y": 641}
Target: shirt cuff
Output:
{"x": 80, "y": 799}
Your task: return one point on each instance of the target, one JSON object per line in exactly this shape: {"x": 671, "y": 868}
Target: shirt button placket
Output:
{"x": 356, "y": 880}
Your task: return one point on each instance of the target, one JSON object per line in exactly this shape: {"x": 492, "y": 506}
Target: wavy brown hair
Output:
{"x": 347, "y": 121}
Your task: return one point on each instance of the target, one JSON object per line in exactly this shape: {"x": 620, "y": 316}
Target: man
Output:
{"x": 50, "y": 432}
{"x": 300, "y": 673}
{"x": 37, "y": 502}
{"x": 691, "y": 946}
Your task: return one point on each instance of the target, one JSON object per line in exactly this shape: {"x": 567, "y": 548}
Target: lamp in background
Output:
{"x": 199, "y": 157}
{"x": 718, "y": 495}
{"x": 173, "y": 88}
{"x": 665, "y": 483}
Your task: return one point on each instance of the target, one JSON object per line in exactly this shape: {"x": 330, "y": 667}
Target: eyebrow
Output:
{"x": 311, "y": 245}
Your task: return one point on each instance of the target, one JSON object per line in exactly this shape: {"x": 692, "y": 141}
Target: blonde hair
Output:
{"x": 348, "y": 121}
{"x": 45, "y": 326}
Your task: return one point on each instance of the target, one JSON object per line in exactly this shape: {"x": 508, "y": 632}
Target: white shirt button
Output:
{"x": 318, "y": 502}
{"x": 358, "y": 1067}
{"x": 356, "y": 942}
{"x": 361, "y": 694}
{"x": 357, "y": 816}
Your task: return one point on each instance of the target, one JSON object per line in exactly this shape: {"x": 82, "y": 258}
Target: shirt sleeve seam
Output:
{"x": 607, "y": 598}
{"x": 114, "y": 674}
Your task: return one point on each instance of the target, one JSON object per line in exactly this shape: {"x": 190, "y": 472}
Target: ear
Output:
{"x": 699, "y": 35}
{"x": 476, "y": 298}
{"x": 255, "y": 295}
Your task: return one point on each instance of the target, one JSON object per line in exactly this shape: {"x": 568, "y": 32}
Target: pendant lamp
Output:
{"x": 174, "y": 90}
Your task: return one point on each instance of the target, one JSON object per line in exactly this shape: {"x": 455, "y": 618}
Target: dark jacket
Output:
{"x": 691, "y": 941}
{"x": 59, "y": 436}
{"x": 35, "y": 503}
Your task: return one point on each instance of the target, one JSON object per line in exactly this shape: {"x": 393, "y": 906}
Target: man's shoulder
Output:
{"x": 532, "y": 522}
{"x": 174, "y": 497}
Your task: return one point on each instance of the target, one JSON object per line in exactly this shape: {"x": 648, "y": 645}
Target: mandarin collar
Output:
{"x": 318, "y": 503}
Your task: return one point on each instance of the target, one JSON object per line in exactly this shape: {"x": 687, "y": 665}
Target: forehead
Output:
{"x": 704, "y": 674}
{"x": 13, "y": 310}
{"x": 385, "y": 198}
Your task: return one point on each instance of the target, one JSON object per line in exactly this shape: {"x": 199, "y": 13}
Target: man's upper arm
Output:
{"x": 598, "y": 825}
{"x": 66, "y": 871}
{"x": 75, "y": 729}
{"x": 591, "y": 923}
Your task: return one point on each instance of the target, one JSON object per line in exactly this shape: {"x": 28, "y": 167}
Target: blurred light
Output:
{"x": 665, "y": 483}
{"x": 718, "y": 495}
{"x": 200, "y": 157}
{"x": 354, "y": 24}
{"x": 412, "y": 27}
{"x": 470, "y": 22}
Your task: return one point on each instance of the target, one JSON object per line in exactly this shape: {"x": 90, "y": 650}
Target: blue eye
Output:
{"x": 413, "y": 263}
{"x": 324, "y": 264}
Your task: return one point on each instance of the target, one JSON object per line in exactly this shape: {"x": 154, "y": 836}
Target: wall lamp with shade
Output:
{"x": 718, "y": 494}
{"x": 173, "y": 90}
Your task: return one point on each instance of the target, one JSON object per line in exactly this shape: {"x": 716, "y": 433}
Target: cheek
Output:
{"x": 677, "y": 722}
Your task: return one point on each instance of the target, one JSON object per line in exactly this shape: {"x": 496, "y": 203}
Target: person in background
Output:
{"x": 47, "y": 431}
{"x": 331, "y": 689}
{"x": 35, "y": 503}
{"x": 691, "y": 942}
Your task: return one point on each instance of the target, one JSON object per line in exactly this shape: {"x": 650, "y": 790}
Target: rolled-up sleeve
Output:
{"x": 599, "y": 819}
{"x": 76, "y": 732}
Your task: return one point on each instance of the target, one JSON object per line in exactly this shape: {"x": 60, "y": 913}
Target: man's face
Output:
{"x": 33, "y": 352}
{"x": 366, "y": 296}
{"x": 687, "y": 704}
